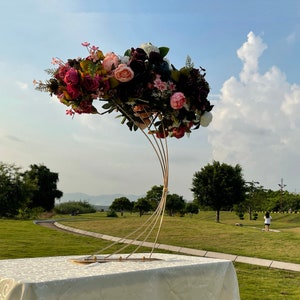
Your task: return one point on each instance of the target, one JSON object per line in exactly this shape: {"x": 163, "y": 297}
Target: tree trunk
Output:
{"x": 217, "y": 216}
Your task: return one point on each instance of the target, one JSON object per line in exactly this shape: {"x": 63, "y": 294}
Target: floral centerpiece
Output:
{"x": 148, "y": 92}
{"x": 141, "y": 85}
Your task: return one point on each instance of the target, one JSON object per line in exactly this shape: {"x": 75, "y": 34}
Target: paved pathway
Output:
{"x": 177, "y": 249}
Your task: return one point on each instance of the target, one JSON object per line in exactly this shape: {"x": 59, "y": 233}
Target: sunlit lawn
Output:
{"x": 25, "y": 239}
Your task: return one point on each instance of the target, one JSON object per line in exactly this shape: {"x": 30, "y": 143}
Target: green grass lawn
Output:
{"x": 25, "y": 239}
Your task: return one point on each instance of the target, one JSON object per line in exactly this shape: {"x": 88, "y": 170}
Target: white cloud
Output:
{"x": 22, "y": 85}
{"x": 256, "y": 122}
{"x": 249, "y": 54}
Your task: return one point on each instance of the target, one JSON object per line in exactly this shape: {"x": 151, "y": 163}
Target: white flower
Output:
{"x": 148, "y": 47}
{"x": 206, "y": 118}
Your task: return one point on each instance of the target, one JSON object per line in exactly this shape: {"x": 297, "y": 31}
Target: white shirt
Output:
{"x": 268, "y": 220}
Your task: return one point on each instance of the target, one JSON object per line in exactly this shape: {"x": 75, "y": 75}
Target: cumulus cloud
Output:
{"x": 256, "y": 121}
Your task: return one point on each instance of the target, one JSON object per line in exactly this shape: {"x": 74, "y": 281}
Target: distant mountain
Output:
{"x": 101, "y": 200}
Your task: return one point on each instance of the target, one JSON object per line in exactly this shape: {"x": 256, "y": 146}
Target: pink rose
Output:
{"x": 123, "y": 73}
{"x": 91, "y": 84}
{"x": 159, "y": 84}
{"x": 177, "y": 100}
{"x": 110, "y": 61}
{"x": 71, "y": 77}
{"x": 73, "y": 91}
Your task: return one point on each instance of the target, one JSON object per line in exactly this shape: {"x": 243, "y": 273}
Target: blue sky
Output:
{"x": 250, "y": 50}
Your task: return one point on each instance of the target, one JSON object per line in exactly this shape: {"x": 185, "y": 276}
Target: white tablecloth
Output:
{"x": 171, "y": 277}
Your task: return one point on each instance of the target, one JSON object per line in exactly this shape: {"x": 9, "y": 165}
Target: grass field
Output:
{"x": 25, "y": 239}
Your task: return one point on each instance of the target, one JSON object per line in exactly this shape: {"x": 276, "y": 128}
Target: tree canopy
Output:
{"x": 218, "y": 186}
{"x": 121, "y": 204}
{"x": 23, "y": 191}
{"x": 46, "y": 182}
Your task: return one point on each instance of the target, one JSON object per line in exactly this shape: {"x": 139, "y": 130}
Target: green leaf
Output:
{"x": 163, "y": 51}
{"x": 175, "y": 74}
{"x": 127, "y": 52}
{"x": 107, "y": 105}
{"x": 113, "y": 82}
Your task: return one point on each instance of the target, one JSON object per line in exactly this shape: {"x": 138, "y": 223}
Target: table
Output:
{"x": 168, "y": 277}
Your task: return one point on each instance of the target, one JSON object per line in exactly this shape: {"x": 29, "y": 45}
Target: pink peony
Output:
{"x": 73, "y": 91}
{"x": 177, "y": 100}
{"x": 110, "y": 61}
{"x": 61, "y": 72}
{"x": 71, "y": 77}
{"x": 123, "y": 73}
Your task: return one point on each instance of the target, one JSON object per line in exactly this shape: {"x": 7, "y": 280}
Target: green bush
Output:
{"x": 112, "y": 214}
{"x": 74, "y": 208}
{"x": 241, "y": 216}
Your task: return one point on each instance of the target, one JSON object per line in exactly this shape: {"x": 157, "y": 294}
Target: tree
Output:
{"x": 192, "y": 208}
{"x": 174, "y": 204}
{"x": 121, "y": 204}
{"x": 219, "y": 186}
{"x": 15, "y": 190}
{"x": 46, "y": 182}
{"x": 142, "y": 205}
{"x": 154, "y": 195}
{"x": 254, "y": 197}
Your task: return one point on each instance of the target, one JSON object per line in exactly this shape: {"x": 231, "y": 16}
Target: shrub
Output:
{"x": 111, "y": 214}
{"x": 74, "y": 208}
{"x": 241, "y": 216}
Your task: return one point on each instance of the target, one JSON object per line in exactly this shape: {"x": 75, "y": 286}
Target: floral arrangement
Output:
{"x": 147, "y": 91}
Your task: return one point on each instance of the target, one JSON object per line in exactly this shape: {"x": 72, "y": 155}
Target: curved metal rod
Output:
{"x": 156, "y": 219}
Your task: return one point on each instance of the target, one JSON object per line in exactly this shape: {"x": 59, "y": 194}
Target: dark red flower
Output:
{"x": 73, "y": 91}
{"x": 178, "y": 132}
{"x": 91, "y": 84}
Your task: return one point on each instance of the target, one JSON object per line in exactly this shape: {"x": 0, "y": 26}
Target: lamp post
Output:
{"x": 282, "y": 186}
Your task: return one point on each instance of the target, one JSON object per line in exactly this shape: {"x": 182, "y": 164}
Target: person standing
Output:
{"x": 267, "y": 219}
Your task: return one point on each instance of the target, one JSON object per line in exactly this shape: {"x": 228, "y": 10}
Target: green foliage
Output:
{"x": 47, "y": 190}
{"x": 74, "y": 207}
{"x": 163, "y": 51}
{"x": 260, "y": 199}
{"x": 111, "y": 214}
{"x": 142, "y": 205}
{"x": 154, "y": 195}
{"x": 15, "y": 190}
{"x": 25, "y": 239}
{"x": 28, "y": 213}
{"x": 121, "y": 204}
{"x": 175, "y": 204}
{"x": 219, "y": 186}
{"x": 192, "y": 208}
{"x": 241, "y": 215}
